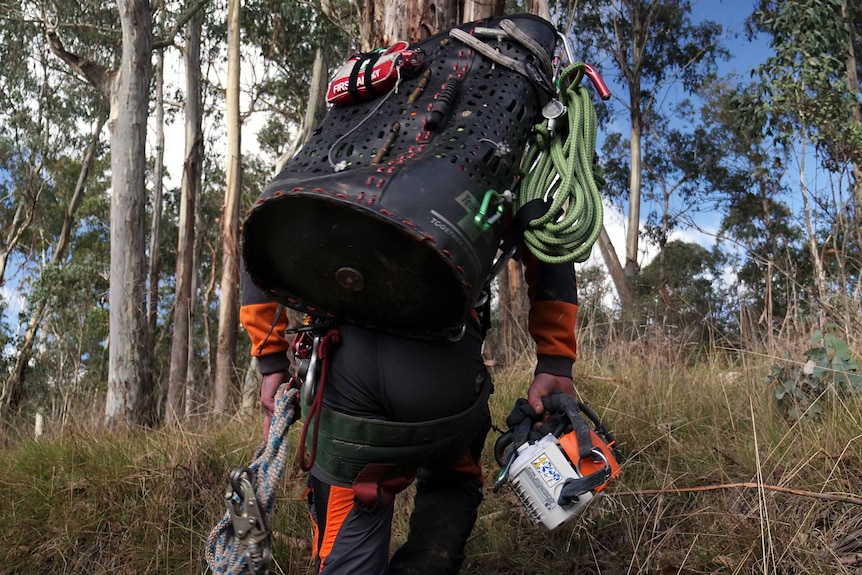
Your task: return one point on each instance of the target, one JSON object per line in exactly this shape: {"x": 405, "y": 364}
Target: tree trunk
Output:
{"x": 191, "y": 182}
{"x": 14, "y": 385}
{"x": 478, "y": 9}
{"x": 24, "y": 214}
{"x": 853, "y": 88}
{"x": 633, "y": 227}
{"x": 158, "y": 188}
{"x": 386, "y": 22}
{"x": 229, "y": 296}
{"x": 609, "y": 255}
{"x": 129, "y": 373}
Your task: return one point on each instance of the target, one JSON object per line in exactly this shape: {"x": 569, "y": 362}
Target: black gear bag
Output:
{"x": 392, "y": 213}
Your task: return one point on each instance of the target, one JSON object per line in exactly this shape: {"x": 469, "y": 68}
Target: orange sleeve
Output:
{"x": 265, "y": 322}
{"x": 265, "y": 330}
{"x": 552, "y": 290}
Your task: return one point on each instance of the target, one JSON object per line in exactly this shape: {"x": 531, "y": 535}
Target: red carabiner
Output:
{"x": 596, "y": 78}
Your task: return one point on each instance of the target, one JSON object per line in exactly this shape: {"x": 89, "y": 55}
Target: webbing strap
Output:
{"x": 347, "y": 444}
{"x": 312, "y": 419}
{"x": 575, "y": 487}
{"x": 371, "y": 489}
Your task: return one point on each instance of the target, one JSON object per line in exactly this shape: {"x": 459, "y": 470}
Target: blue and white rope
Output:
{"x": 225, "y": 554}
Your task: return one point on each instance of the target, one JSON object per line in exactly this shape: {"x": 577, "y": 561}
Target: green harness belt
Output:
{"x": 347, "y": 444}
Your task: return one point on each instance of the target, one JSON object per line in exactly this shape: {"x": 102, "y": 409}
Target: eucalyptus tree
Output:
{"x": 47, "y": 161}
{"x": 126, "y": 86}
{"x": 685, "y": 166}
{"x": 14, "y": 384}
{"x": 286, "y": 37}
{"x": 678, "y": 293}
{"x": 759, "y": 235}
{"x": 811, "y": 91}
{"x": 229, "y": 286}
{"x": 646, "y": 46}
{"x": 181, "y": 342}
{"x": 125, "y": 83}
{"x": 39, "y": 111}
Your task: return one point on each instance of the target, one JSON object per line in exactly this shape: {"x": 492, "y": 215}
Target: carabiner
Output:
{"x": 308, "y": 371}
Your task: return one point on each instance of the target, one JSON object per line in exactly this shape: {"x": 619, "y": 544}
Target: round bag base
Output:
{"x": 363, "y": 267}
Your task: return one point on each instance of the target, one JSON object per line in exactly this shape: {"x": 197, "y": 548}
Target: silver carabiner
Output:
{"x": 309, "y": 377}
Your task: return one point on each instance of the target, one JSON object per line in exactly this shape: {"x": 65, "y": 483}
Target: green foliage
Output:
{"x": 829, "y": 371}
{"x": 805, "y": 83}
{"x": 287, "y": 36}
{"x": 677, "y": 290}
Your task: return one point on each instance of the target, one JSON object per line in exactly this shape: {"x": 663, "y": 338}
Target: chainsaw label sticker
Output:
{"x": 546, "y": 470}
{"x": 541, "y": 490}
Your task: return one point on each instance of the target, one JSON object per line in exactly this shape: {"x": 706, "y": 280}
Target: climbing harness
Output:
{"x": 561, "y": 173}
{"x": 557, "y": 469}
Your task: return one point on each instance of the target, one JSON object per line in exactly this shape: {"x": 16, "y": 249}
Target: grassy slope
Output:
{"x": 144, "y": 502}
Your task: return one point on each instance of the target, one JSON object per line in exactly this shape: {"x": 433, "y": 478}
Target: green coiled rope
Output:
{"x": 562, "y": 171}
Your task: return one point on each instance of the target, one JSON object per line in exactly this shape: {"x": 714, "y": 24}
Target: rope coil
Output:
{"x": 562, "y": 172}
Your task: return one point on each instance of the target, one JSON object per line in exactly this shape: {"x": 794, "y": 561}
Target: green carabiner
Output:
{"x": 485, "y": 209}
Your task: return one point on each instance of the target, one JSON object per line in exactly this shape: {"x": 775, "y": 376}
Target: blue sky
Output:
{"x": 745, "y": 55}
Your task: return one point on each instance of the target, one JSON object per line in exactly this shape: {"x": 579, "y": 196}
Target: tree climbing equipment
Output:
{"x": 241, "y": 542}
{"x": 374, "y": 221}
{"x": 561, "y": 172}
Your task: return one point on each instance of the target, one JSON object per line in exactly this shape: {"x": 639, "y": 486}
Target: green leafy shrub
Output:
{"x": 828, "y": 370}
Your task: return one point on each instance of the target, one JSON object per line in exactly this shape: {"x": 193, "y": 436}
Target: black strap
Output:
{"x": 369, "y": 59}
{"x": 532, "y": 210}
{"x": 575, "y": 487}
{"x": 278, "y": 311}
{"x": 562, "y": 403}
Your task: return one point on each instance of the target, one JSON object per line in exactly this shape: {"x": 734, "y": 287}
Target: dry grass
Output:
{"x": 144, "y": 501}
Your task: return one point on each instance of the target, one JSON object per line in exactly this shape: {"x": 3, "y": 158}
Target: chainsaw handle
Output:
{"x": 501, "y": 447}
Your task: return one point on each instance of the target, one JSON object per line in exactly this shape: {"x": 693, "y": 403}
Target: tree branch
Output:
{"x": 93, "y": 72}
{"x": 168, "y": 39}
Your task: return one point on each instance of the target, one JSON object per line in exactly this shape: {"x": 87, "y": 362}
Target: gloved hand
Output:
{"x": 268, "y": 388}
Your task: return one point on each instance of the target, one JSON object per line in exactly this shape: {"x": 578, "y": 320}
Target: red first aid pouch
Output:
{"x": 366, "y": 76}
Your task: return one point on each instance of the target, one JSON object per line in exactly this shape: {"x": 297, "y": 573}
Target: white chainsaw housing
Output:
{"x": 537, "y": 476}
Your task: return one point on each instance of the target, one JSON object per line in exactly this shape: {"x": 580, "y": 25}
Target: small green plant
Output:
{"x": 828, "y": 370}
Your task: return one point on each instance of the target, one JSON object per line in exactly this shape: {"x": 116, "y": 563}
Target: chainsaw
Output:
{"x": 558, "y": 468}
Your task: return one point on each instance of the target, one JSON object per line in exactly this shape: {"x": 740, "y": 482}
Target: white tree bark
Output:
{"x": 129, "y": 373}
{"x": 229, "y": 295}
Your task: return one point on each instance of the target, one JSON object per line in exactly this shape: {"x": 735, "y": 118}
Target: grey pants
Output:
{"x": 397, "y": 379}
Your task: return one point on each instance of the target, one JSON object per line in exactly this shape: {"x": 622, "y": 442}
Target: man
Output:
{"x": 392, "y": 378}
{"x": 397, "y": 405}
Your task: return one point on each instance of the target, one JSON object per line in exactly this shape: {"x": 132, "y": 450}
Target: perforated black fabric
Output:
{"x": 390, "y": 241}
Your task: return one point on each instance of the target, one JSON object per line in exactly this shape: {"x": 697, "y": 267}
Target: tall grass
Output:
{"x": 144, "y": 501}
